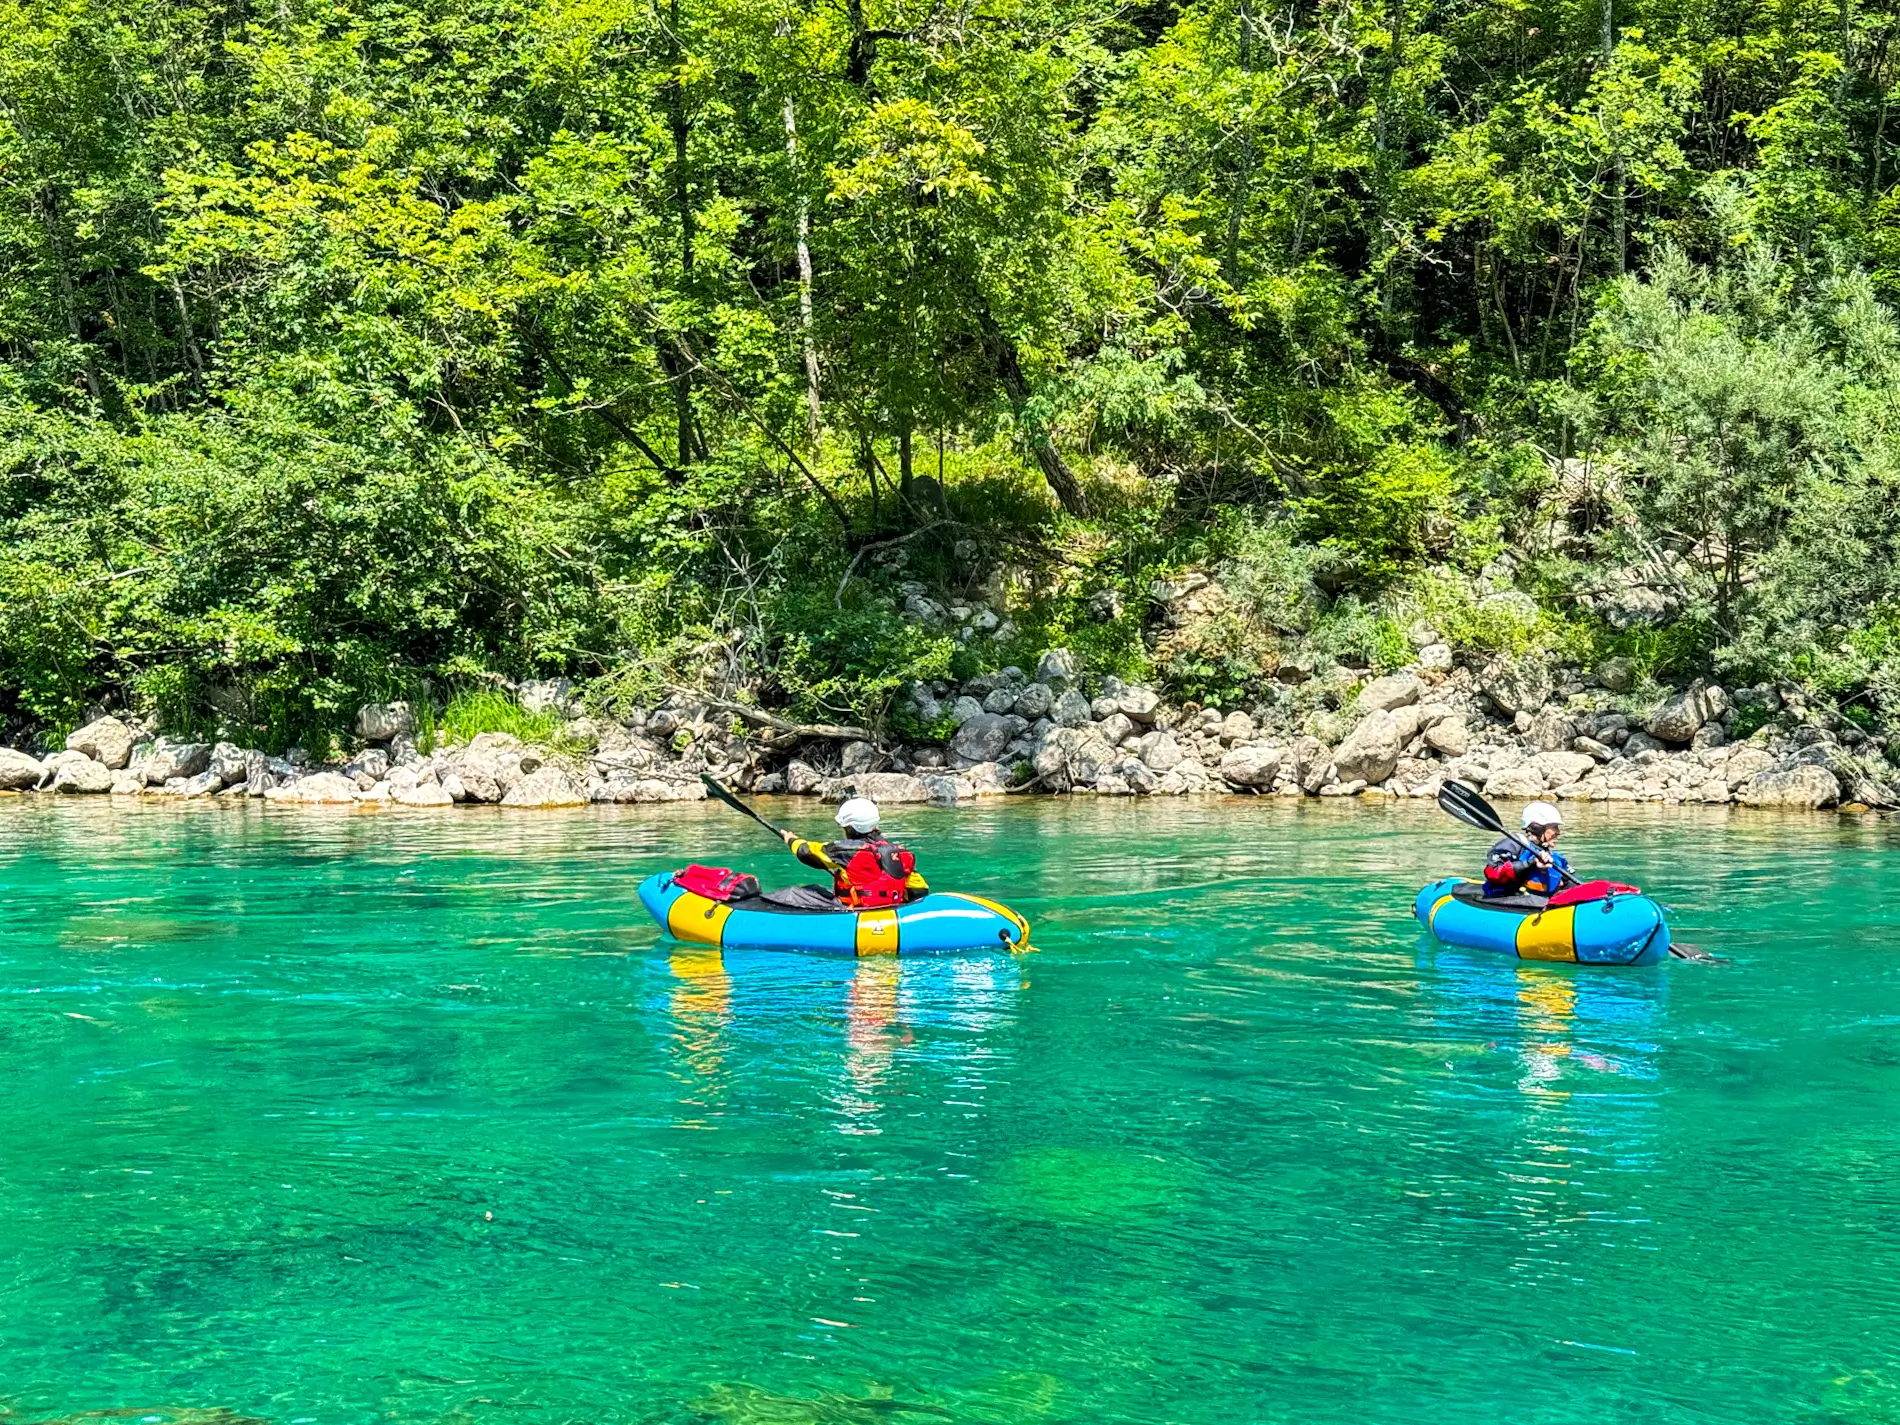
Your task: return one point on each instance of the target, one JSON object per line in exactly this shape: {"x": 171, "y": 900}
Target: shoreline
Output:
{"x": 1515, "y": 729}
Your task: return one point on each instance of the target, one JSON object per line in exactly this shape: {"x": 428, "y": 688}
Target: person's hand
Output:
{"x": 787, "y": 837}
{"x": 1543, "y": 860}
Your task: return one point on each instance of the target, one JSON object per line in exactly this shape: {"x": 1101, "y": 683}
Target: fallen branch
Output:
{"x": 823, "y": 730}
{"x": 837, "y": 599}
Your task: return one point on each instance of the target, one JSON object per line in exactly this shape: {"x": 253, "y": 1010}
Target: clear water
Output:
{"x": 410, "y": 1117}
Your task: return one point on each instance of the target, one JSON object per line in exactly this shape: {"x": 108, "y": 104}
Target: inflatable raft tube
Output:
{"x": 937, "y": 924}
{"x": 1616, "y": 930}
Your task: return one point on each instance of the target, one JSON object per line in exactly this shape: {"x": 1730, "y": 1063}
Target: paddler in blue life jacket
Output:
{"x": 867, "y": 870}
{"x": 1535, "y": 870}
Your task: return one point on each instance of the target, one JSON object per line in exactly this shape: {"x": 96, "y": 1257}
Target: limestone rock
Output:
{"x": 1679, "y": 717}
{"x": 1057, "y": 670}
{"x": 1235, "y": 727}
{"x": 1520, "y": 684}
{"x": 1313, "y": 764}
{"x": 451, "y": 784}
{"x": 320, "y": 788}
{"x": 1449, "y": 735}
{"x": 202, "y": 785}
{"x": 1803, "y": 785}
{"x": 1113, "y": 728}
{"x": 1593, "y": 749}
{"x": 981, "y": 739}
{"x": 891, "y": 788}
{"x": 1051, "y": 758}
{"x": 230, "y": 764}
{"x": 1708, "y": 737}
{"x": 1034, "y": 702}
{"x": 1141, "y": 778}
{"x": 105, "y": 740}
{"x": 1562, "y": 768}
{"x": 1745, "y": 763}
{"x": 1395, "y": 690}
{"x": 1551, "y": 731}
{"x": 1435, "y": 658}
{"x": 1343, "y": 789}
{"x": 801, "y": 779}
{"x": 1000, "y": 700}
{"x": 1252, "y": 766}
{"x": 965, "y": 708}
{"x": 1617, "y": 674}
{"x": 1071, "y": 710}
{"x": 1142, "y": 705}
{"x": 1113, "y": 784}
{"x": 421, "y": 794}
{"x": 986, "y": 779}
{"x": 19, "y": 770}
{"x": 1371, "y": 751}
{"x": 1516, "y": 784}
{"x": 857, "y": 757}
{"x": 379, "y": 722}
{"x": 546, "y": 787}
{"x": 1160, "y": 752}
{"x": 1406, "y": 721}
{"x": 126, "y": 785}
{"x": 82, "y": 774}
{"x": 163, "y": 760}
{"x": 481, "y": 776}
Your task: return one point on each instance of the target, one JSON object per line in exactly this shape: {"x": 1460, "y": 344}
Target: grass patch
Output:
{"x": 471, "y": 713}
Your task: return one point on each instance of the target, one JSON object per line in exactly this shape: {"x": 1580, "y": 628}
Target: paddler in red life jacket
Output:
{"x": 1534, "y": 870}
{"x": 867, "y": 870}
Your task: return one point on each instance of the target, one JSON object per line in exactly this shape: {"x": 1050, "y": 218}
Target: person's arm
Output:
{"x": 811, "y": 853}
{"x": 1505, "y": 875}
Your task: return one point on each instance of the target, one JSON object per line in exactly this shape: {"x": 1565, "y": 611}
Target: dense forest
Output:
{"x": 352, "y": 344}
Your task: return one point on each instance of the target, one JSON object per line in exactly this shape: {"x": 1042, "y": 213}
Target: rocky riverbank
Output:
{"x": 1515, "y": 728}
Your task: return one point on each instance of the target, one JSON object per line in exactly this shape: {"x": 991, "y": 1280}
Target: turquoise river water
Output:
{"x": 412, "y": 1117}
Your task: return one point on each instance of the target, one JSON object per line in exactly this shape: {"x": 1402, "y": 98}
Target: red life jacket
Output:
{"x": 865, "y": 883}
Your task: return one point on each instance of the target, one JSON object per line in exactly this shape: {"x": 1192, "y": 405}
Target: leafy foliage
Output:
{"x": 348, "y": 344}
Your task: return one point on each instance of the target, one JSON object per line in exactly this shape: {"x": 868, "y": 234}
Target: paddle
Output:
{"x": 730, "y": 800}
{"x": 1463, "y": 804}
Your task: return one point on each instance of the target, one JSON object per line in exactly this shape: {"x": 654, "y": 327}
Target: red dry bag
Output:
{"x": 1591, "y": 891}
{"x": 717, "y": 883}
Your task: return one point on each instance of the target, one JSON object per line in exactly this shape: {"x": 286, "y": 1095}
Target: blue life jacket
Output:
{"x": 1511, "y": 870}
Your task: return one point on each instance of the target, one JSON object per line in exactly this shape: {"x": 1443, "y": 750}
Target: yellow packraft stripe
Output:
{"x": 1431, "y": 916}
{"x": 877, "y": 932}
{"x": 696, "y": 920}
{"x": 1549, "y": 935}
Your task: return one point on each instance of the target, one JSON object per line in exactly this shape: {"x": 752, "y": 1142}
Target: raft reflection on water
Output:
{"x": 878, "y": 1003}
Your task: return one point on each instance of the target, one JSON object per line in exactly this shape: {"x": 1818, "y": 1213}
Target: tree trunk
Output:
{"x": 1618, "y": 218}
{"x": 1009, "y": 371}
{"x": 804, "y": 274}
{"x": 1237, "y": 208}
{"x": 47, "y": 207}
{"x": 682, "y": 375}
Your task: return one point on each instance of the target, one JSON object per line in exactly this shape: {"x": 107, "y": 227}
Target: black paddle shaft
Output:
{"x": 1463, "y": 804}
{"x": 730, "y": 800}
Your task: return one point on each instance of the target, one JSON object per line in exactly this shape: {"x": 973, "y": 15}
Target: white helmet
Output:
{"x": 1542, "y": 814}
{"x": 859, "y": 814}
